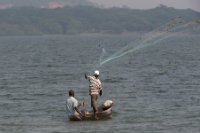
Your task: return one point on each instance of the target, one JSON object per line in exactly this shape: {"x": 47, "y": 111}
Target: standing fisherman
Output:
{"x": 95, "y": 89}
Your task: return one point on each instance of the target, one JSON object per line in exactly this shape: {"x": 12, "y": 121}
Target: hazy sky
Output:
{"x": 145, "y": 4}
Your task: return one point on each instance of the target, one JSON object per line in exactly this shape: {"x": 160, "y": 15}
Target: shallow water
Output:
{"x": 155, "y": 89}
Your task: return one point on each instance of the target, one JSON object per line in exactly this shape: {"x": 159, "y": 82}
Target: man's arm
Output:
{"x": 76, "y": 107}
{"x": 78, "y": 111}
{"x": 100, "y": 90}
{"x": 86, "y": 77}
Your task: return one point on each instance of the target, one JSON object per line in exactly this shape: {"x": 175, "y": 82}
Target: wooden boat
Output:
{"x": 104, "y": 112}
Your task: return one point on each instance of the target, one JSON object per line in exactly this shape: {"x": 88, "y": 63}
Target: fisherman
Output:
{"x": 95, "y": 89}
{"x": 72, "y": 105}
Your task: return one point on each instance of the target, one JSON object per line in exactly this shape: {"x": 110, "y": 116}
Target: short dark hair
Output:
{"x": 71, "y": 93}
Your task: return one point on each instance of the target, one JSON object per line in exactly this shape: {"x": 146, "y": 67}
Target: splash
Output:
{"x": 172, "y": 28}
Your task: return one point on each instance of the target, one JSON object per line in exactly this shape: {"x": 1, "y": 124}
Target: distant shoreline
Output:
{"x": 87, "y": 20}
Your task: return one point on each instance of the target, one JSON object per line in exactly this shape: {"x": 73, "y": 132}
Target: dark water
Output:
{"x": 155, "y": 89}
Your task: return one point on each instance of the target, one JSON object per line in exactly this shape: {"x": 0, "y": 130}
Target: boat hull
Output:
{"x": 102, "y": 114}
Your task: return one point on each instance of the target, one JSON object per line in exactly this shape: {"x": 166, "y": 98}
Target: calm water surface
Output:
{"x": 155, "y": 89}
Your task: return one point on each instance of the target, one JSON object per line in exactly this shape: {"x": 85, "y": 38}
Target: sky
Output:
{"x": 146, "y": 4}
{"x": 134, "y": 4}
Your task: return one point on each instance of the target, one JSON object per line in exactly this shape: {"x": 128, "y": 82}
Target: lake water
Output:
{"x": 155, "y": 89}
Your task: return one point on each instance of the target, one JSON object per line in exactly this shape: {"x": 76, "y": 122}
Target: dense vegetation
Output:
{"x": 86, "y": 19}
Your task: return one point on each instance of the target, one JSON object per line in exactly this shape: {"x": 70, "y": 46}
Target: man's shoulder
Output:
{"x": 72, "y": 99}
{"x": 92, "y": 77}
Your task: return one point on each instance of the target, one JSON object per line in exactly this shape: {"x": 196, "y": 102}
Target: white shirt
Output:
{"x": 70, "y": 106}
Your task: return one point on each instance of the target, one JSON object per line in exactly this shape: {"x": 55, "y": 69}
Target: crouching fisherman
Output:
{"x": 72, "y": 106}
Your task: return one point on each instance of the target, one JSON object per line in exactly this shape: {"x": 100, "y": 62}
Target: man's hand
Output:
{"x": 100, "y": 93}
{"x": 82, "y": 104}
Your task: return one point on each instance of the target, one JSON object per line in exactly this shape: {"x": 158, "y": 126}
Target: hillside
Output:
{"x": 86, "y": 19}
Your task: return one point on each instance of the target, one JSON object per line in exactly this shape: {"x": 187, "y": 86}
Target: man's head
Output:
{"x": 96, "y": 73}
{"x": 71, "y": 93}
